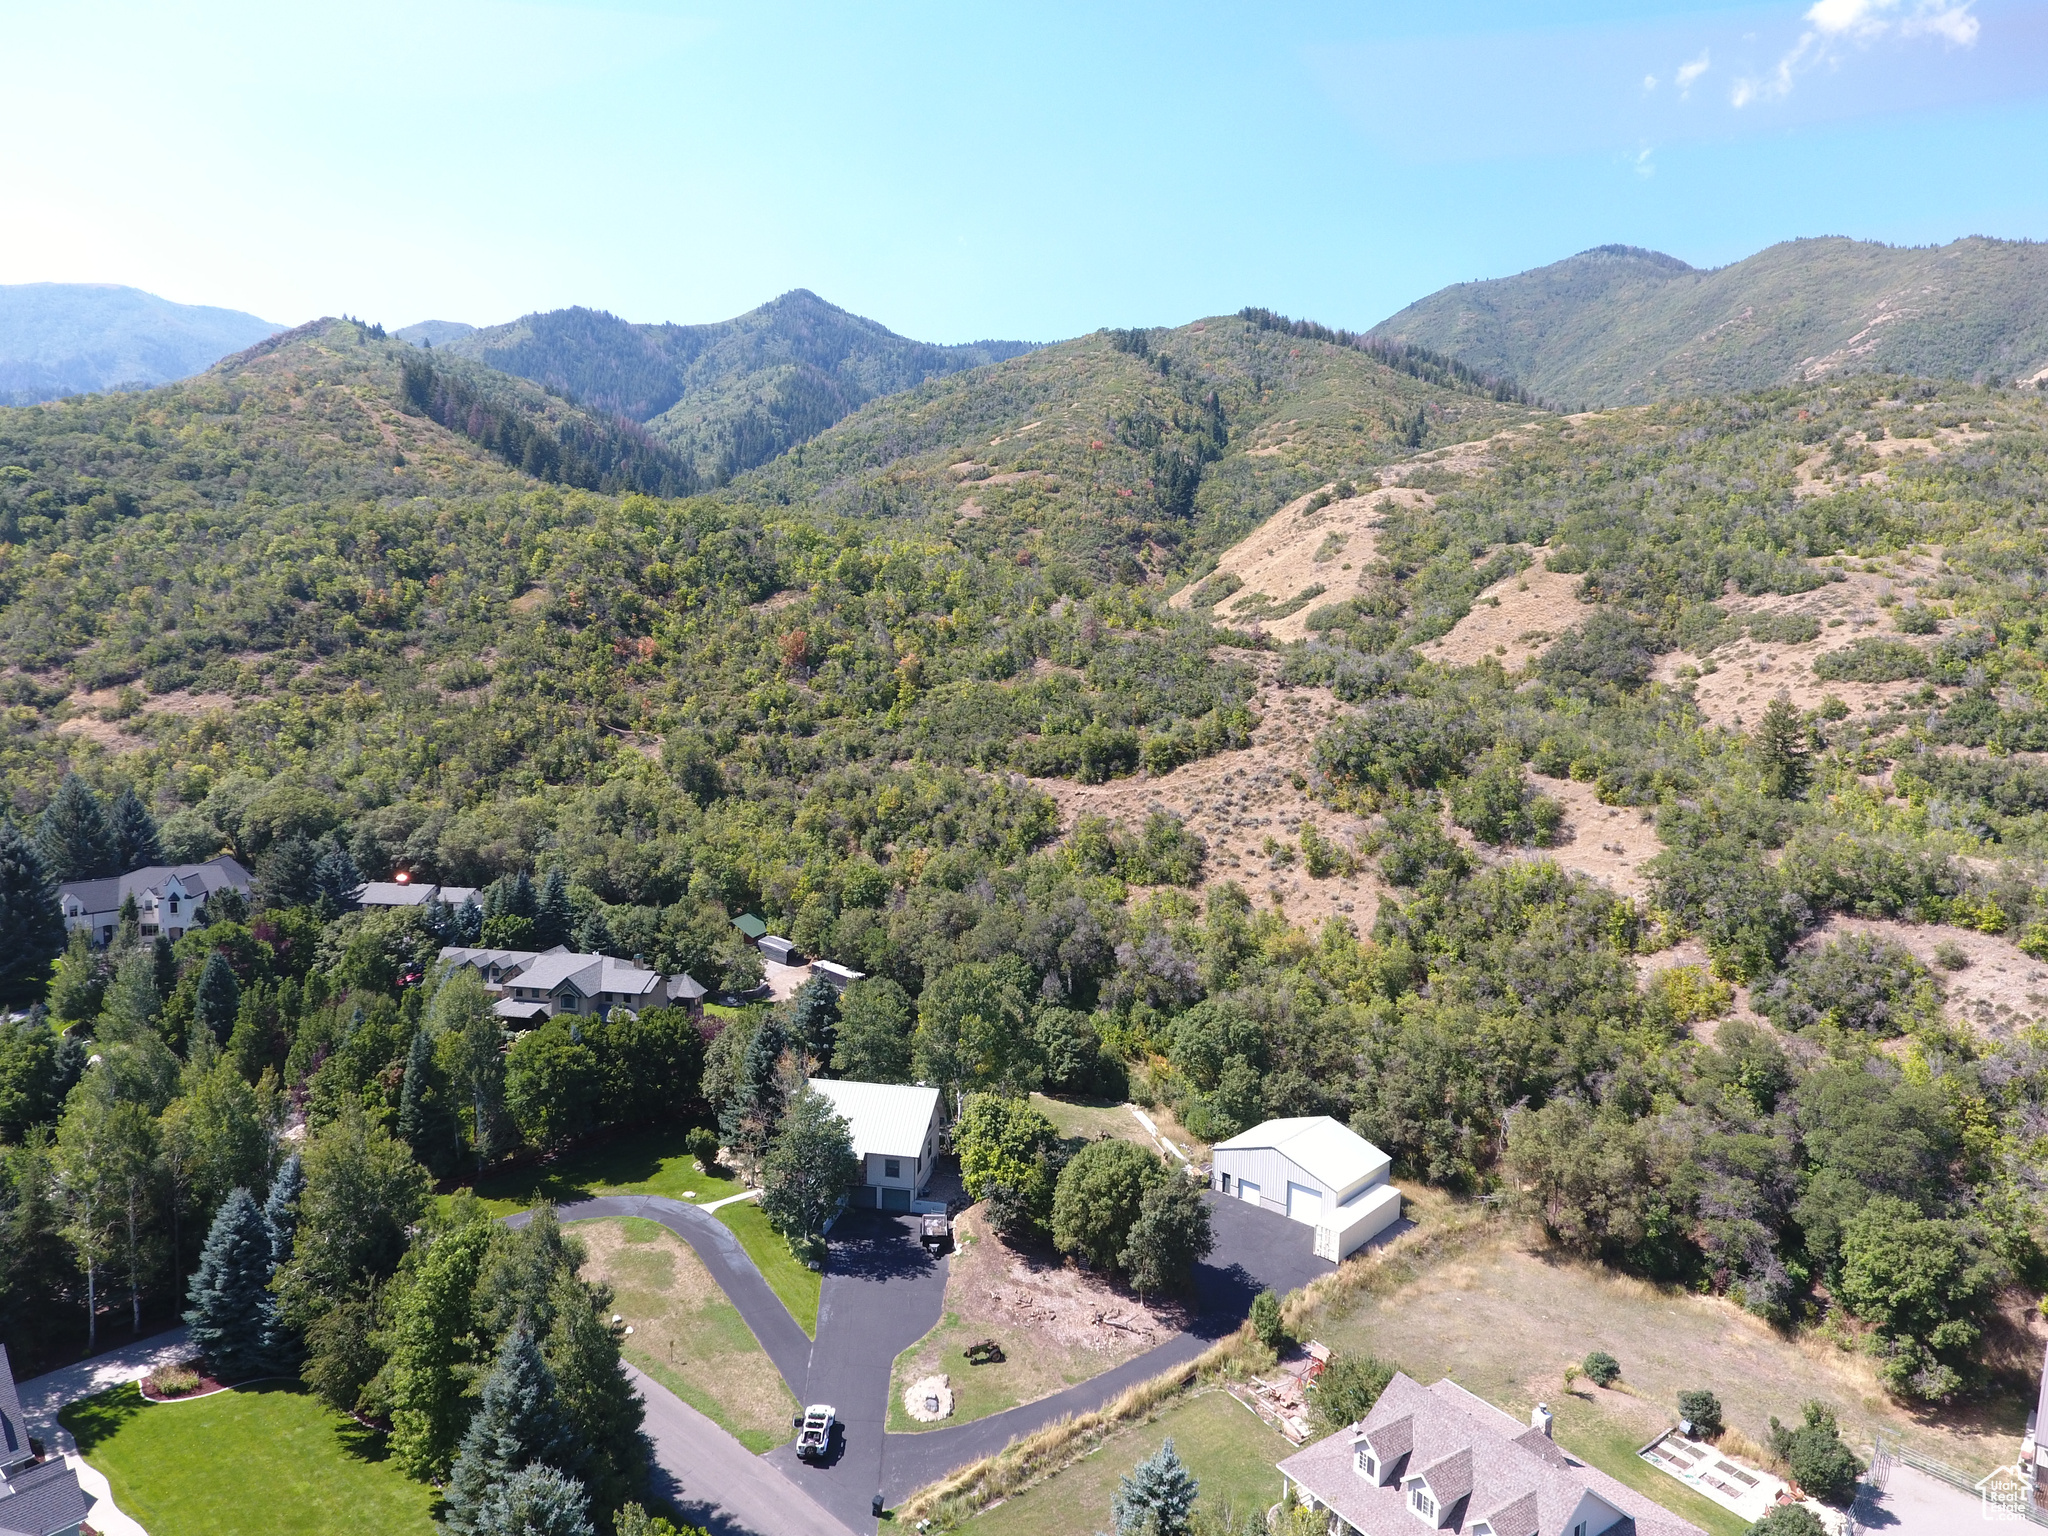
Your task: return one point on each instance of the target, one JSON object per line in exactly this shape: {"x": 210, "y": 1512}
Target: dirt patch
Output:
{"x": 1504, "y": 1316}
{"x": 1749, "y": 673}
{"x": 1238, "y": 800}
{"x": 1606, "y": 843}
{"x": 529, "y": 602}
{"x": 1053, "y": 1324}
{"x": 2000, "y": 991}
{"x": 779, "y": 601}
{"x": 183, "y": 702}
{"x": 1512, "y": 620}
{"x": 686, "y": 1334}
{"x": 1293, "y": 551}
{"x": 103, "y": 732}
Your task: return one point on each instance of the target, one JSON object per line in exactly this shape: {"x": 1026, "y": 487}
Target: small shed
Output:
{"x": 895, "y": 1135}
{"x": 778, "y": 950}
{"x": 1315, "y": 1171}
{"x": 839, "y": 976}
{"x": 751, "y": 927}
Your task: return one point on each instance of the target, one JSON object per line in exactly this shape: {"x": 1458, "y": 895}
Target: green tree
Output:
{"x": 1599, "y": 1181}
{"x": 1345, "y": 1391}
{"x": 1702, "y": 1410}
{"x": 552, "y": 1083}
{"x": 363, "y": 1191}
{"x": 535, "y": 1501}
{"x": 974, "y": 1029}
{"x": 1782, "y": 750}
{"x": 426, "y": 1115}
{"x": 814, "y": 1019}
{"x": 809, "y": 1168}
{"x": 872, "y": 1043}
{"x": 552, "y": 916}
{"x": 518, "y": 1424}
{"x": 31, "y": 923}
{"x": 1821, "y": 1464}
{"x": 133, "y": 832}
{"x": 220, "y": 996}
{"x": 1170, "y": 1236}
{"x": 89, "y": 1193}
{"x": 1922, "y": 1282}
{"x": 1007, "y": 1143}
{"x": 651, "y": 1065}
{"x": 1788, "y": 1520}
{"x": 1097, "y": 1199}
{"x": 433, "y": 1344}
{"x": 79, "y": 985}
{"x": 467, "y": 1040}
{"x": 752, "y": 1109}
{"x": 73, "y": 836}
{"x": 37, "y": 1068}
{"x": 605, "y": 1414}
{"x": 229, "y": 1293}
{"x": 1156, "y": 1497}
{"x": 40, "y": 1283}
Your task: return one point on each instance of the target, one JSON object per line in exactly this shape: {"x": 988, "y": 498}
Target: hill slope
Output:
{"x": 1621, "y": 326}
{"x": 69, "y": 338}
{"x": 729, "y": 395}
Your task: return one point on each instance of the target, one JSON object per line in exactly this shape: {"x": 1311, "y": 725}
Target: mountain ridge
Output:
{"x": 60, "y": 339}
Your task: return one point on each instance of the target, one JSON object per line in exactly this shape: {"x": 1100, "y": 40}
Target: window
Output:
{"x": 892, "y": 1167}
{"x": 1368, "y": 1464}
{"x": 1423, "y": 1502}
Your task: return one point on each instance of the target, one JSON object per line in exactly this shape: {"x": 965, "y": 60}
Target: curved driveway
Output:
{"x": 882, "y": 1294}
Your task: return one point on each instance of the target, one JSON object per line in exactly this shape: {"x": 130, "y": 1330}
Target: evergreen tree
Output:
{"x": 814, "y": 1019}
{"x": 552, "y": 918}
{"x": 426, "y": 1114}
{"x": 337, "y": 879}
{"x": 518, "y": 1424}
{"x": 291, "y": 873}
{"x": 133, "y": 829}
{"x": 229, "y": 1296}
{"x": 31, "y": 922}
{"x": 432, "y": 1341}
{"x": 1157, "y": 1497}
{"x": 604, "y": 1411}
{"x": 281, "y": 1210}
{"x": 220, "y": 996}
{"x": 809, "y": 1168}
{"x": 73, "y": 836}
{"x": 747, "y": 1120}
{"x": 227, "y": 905}
{"x": 466, "y": 923}
{"x": 165, "y": 959}
{"x": 537, "y": 1501}
{"x": 1782, "y": 750}
{"x": 594, "y": 934}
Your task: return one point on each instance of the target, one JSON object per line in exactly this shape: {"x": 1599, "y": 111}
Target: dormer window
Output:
{"x": 1422, "y": 1502}
{"x": 1368, "y": 1464}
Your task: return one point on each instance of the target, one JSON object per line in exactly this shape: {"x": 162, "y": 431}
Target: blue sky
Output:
{"x": 957, "y": 172}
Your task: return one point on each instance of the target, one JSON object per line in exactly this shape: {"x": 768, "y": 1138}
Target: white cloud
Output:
{"x": 1833, "y": 22}
{"x": 1690, "y": 71}
{"x": 1645, "y": 166}
{"x": 1649, "y": 83}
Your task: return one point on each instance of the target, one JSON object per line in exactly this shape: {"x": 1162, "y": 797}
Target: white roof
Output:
{"x": 887, "y": 1119}
{"x": 1318, "y": 1145}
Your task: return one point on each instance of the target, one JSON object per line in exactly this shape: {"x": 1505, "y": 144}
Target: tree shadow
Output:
{"x": 95, "y": 1420}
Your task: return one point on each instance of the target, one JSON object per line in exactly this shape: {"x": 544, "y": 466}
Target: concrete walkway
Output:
{"x": 43, "y": 1396}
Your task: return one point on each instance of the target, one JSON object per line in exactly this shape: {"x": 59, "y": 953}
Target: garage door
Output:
{"x": 1303, "y": 1203}
{"x": 895, "y": 1199}
{"x": 1247, "y": 1190}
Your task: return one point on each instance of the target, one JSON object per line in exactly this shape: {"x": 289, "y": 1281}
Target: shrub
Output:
{"x": 1601, "y": 1368}
{"x": 1820, "y": 1463}
{"x": 1915, "y": 619}
{"x": 1497, "y": 806}
{"x": 1788, "y": 1520}
{"x": 1346, "y": 1390}
{"x": 1266, "y": 1322}
{"x": 1784, "y": 628}
{"x": 1862, "y": 982}
{"x": 1872, "y": 659}
{"x": 702, "y": 1143}
{"x": 1950, "y": 956}
{"x": 1413, "y": 847}
{"x": 1701, "y": 1409}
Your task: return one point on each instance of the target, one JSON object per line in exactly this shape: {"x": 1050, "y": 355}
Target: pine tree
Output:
{"x": 426, "y": 1115}
{"x": 551, "y": 915}
{"x": 31, "y": 922}
{"x": 520, "y": 900}
{"x": 229, "y": 1296}
{"x": 220, "y": 996}
{"x": 1157, "y": 1498}
{"x": 747, "y": 1119}
{"x": 537, "y": 1501}
{"x": 336, "y": 877}
{"x": 133, "y": 829}
{"x": 281, "y": 1341}
{"x": 291, "y": 873}
{"x": 814, "y": 1017}
{"x": 594, "y": 934}
{"x": 518, "y": 1424}
{"x": 1782, "y": 750}
{"x": 72, "y": 835}
{"x": 602, "y": 1407}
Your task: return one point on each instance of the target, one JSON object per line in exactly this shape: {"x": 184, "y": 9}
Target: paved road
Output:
{"x": 718, "y": 1483}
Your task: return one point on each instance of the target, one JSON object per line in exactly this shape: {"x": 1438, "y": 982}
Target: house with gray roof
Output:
{"x": 534, "y": 986}
{"x": 170, "y": 899}
{"x": 384, "y": 894}
{"x": 37, "y": 1498}
{"x": 1438, "y": 1458}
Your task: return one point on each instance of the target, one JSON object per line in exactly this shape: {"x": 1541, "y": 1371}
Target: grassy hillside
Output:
{"x": 68, "y": 338}
{"x": 1128, "y": 453}
{"x": 725, "y": 396}
{"x": 1616, "y": 325}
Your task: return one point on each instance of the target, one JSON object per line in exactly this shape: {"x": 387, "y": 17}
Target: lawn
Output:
{"x": 796, "y": 1283}
{"x": 1088, "y": 1119}
{"x": 265, "y": 1460}
{"x": 655, "y": 1162}
{"x": 1231, "y": 1453}
{"x": 686, "y": 1334}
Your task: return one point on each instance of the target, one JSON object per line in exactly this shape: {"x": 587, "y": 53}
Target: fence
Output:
{"x": 1891, "y": 1451}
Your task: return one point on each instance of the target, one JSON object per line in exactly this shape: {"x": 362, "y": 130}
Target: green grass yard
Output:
{"x": 264, "y": 1460}
{"x": 1231, "y": 1453}
{"x": 797, "y": 1284}
{"x": 655, "y": 1162}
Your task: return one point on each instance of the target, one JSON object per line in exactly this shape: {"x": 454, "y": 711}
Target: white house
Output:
{"x": 1440, "y": 1459}
{"x": 533, "y": 986}
{"x": 895, "y": 1135}
{"x": 1317, "y": 1172}
{"x": 169, "y": 898}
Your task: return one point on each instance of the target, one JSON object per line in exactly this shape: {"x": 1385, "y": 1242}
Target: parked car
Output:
{"x": 814, "y": 1431}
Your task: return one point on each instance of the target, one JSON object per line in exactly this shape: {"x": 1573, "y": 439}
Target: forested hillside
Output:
{"x": 1620, "y": 326}
{"x": 729, "y": 395}
{"x": 68, "y": 338}
{"x": 329, "y": 611}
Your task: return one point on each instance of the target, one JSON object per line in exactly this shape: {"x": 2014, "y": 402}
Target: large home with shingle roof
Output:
{"x": 37, "y": 1498}
{"x": 534, "y": 986}
{"x": 1439, "y": 1459}
{"x": 169, "y": 898}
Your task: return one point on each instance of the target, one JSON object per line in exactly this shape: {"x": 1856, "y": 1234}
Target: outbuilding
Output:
{"x": 895, "y": 1135}
{"x": 1316, "y": 1171}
